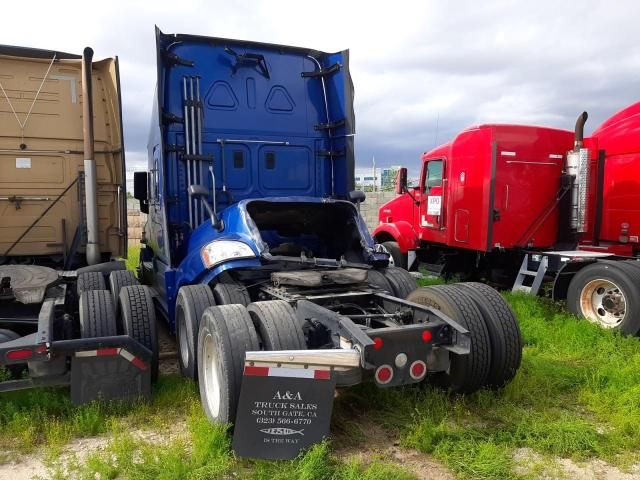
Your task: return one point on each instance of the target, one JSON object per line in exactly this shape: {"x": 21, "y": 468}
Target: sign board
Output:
{"x": 282, "y": 411}
{"x": 434, "y": 203}
{"x": 23, "y": 162}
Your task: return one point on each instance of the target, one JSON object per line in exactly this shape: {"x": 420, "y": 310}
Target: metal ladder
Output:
{"x": 538, "y": 275}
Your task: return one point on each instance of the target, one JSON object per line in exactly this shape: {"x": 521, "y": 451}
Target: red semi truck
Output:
{"x": 520, "y": 205}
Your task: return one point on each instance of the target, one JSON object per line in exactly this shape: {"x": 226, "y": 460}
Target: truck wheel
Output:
{"x": 138, "y": 315}
{"x": 192, "y": 301}
{"x": 228, "y": 291}
{"x": 402, "y": 282}
{"x": 607, "y": 293}
{"x": 396, "y": 257}
{"x": 97, "y": 317}
{"x": 467, "y": 373}
{"x": 226, "y": 332}
{"x": 277, "y": 325}
{"x": 119, "y": 279}
{"x": 503, "y": 329}
{"x": 90, "y": 281}
{"x": 377, "y": 278}
{"x": 633, "y": 263}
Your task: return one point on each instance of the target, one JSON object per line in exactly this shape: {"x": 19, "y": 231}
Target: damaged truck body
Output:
{"x": 255, "y": 244}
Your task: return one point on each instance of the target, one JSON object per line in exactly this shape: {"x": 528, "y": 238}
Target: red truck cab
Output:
{"x": 486, "y": 190}
{"x": 496, "y": 191}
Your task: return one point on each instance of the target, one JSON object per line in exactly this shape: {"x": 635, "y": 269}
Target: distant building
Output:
{"x": 379, "y": 179}
{"x": 368, "y": 178}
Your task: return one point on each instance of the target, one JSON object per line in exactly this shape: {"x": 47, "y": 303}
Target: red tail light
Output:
{"x": 24, "y": 354}
{"x": 418, "y": 370}
{"x": 427, "y": 336}
{"x": 384, "y": 374}
{"x": 377, "y": 343}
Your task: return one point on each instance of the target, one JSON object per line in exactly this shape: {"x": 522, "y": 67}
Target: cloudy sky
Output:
{"x": 422, "y": 70}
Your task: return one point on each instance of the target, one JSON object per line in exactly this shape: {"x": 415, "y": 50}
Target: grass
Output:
{"x": 577, "y": 395}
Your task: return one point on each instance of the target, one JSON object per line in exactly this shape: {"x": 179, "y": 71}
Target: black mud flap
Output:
{"x": 282, "y": 411}
{"x": 109, "y": 374}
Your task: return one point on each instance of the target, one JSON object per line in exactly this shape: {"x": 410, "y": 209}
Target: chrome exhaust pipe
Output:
{"x": 579, "y": 130}
{"x": 90, "y": 180}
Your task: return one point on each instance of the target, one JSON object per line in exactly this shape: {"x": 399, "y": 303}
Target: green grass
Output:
{"x": 577, "y": 395}
{"x": 47, "y": 417}
{"x": 133, "y": 257}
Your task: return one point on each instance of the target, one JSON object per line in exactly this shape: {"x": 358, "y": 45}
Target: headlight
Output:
{"x": 221, "y": 250}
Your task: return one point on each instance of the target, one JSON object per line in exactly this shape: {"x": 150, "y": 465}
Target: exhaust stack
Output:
{"x": 90, "y": 180}
{"x": 578, "y": 168}
{"x": 579, "y": 130}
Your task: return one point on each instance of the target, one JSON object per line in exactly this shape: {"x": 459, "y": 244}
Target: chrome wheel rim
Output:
{"x": 184, "y": 346}
{"x": 603, "y": 302}
{"x": 211, "y": 380}
{"x": 392, "y": 262}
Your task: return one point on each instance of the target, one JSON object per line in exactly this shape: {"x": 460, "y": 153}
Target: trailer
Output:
{"x": 262, "y": 264}
{"x": 67, "y": 313}
{"x": 528, "y": 206}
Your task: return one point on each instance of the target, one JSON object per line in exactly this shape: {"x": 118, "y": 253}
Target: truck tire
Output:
{"x": 138, "y": 315}
{"x": 633, "y": 263}
{"x": 503, "y": 329}
{"x": 277, "y": 325}
{"x": 607, "y": 293}
{"x": 192, "y": 301}
{"x": 397, "y": 258}
{"x": 229, "y": 291}
{"x": 97, "y": 317}
{"x": 467, "y": 373}
{"x": 90, "y": 281}
{"x": 402, "y": 282}
{"x": 226, "y": 332}
{"x": 119, "y": 279}
{"x": 377, "y": 278}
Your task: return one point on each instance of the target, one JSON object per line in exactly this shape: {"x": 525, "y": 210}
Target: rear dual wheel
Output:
{"x": 192, "y": 301}
{"x": 397, "y": 281}
{"x": 496, "y": 343}
{"x": 226, "y": 333}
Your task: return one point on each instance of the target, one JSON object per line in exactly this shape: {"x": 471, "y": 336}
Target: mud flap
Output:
{"x": 109, "y": 374}
{"x": 282, "y": 411}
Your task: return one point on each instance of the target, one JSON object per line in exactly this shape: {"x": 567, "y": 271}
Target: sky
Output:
{"x": 422, "y": 70}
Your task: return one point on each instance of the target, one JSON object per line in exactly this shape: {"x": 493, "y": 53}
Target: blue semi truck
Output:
{"x": 255, "y": 254}
{"x": 255, "y": 246}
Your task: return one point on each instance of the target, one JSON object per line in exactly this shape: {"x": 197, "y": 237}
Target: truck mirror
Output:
{"x": 357, "y": 196}
{"x": 401, "y": 180}
{"x": 140, "y": 185}
{"x": 140, "y": 192}
{"x": 201, "y": 193}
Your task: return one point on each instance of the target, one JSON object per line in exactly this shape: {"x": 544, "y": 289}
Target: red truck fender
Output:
{"x": 401, "y": 232}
